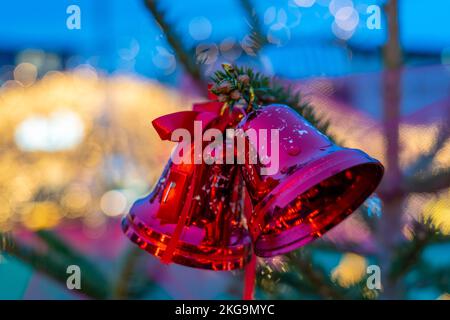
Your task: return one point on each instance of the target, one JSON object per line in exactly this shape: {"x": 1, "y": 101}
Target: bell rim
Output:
{"x": 352, "y": 158}
{"x": 187, "y": 254}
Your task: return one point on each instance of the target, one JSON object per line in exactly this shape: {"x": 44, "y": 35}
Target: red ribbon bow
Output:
{"x": 206, "y": 112}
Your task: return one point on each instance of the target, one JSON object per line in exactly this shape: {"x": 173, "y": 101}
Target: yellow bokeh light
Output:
{"x": 5, "y": 213}
{"x": 444, "y": 296}
{"x": 43, "y": 185}
{"x": 438, "y": 210}
{"x": 41, "y": 215}
{"x": 76, "y": 200}
{"x": 350, "y": 270}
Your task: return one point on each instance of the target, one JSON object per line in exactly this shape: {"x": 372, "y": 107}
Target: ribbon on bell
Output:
{"x": 206, "y": 113}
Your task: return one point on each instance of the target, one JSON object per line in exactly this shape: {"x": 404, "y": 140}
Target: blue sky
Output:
{"x": 111, "y": 29}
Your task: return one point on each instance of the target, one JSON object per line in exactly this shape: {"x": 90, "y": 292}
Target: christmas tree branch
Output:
{"x": 56, "y": 243}
{"x": 428, "y": 184}
{"x": 342, "y": 247}
{"x": 186, "y": 59}
{"x": 241, "y": 86}
{"x": 288, "y": 285}
{"x": 129, "y": 283}
{"x": 256, "y": 39}
{"x": 431, "y": 276}
{"x": 424, "y": 233}
{"x": 54, "y": 263}
{"x": 315, "y": 276}
{"x": 424, "y": 162}
{"x": 5, "y": 242}
{"x": 72, "y": 256}
{"x": 298, "y": 279}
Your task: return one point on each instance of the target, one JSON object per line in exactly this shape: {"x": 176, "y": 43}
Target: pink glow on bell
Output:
{"x": 318, "y": 183}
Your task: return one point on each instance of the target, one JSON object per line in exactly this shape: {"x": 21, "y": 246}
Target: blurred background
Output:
{"x": 81, "y": 81}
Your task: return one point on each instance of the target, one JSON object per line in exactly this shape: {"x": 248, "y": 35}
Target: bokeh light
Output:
{"x": 113, "y": 203}
{"x": 200, "y": 28}
{"x": 304, "y": 3}
{"x": 351, "y": 269}
{"x": 279, "y": 34}
{"x": 335, "y": 5}
{"x": 347, "y": 18}
{"x": 207, "y": 53}
{"x": 67, "y": 142}
{"x": 230, "y": 49}
{"x": 25, "y": 73}
{"x": 438, "y": 210}
{"x": 164, "y": 60}
{"x": 61, "y": 130}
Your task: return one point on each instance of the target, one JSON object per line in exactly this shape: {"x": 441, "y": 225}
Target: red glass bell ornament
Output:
{"x": 193, "y": 215}
{"x": 316, "y": 186}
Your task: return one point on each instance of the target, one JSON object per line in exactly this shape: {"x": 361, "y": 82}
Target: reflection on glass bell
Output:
{"x": 193, "y": 215}
{"x": 317, "y": 185}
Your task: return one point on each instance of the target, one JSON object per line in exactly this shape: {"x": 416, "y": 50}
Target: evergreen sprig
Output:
{"x": 54, "y": 261}
{"x": 184, "y": 55}
{"x": 242, "y": 86}
{"x": 300, "y": 278}
{"x": 424, "y": 232}
{"x": 256, "y": 39}
{"x": 5, "y": 242}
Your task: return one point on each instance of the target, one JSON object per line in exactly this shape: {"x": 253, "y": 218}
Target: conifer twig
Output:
{"x": 431, "y": 183}
{"x": 174, "y": 40}
{"x": 54, "y": 265}
{"x": 242, "y": 86}
{"x": 256, "y": 40}
{"x": 423, "y": 162}
{"x": 130, "y": 282}
{"x": 315, "y": 276}
{"x": 424, "y": 232}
